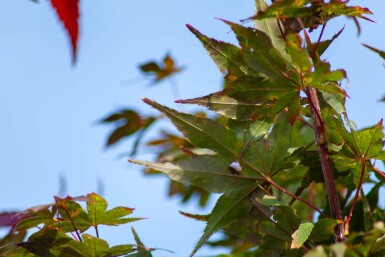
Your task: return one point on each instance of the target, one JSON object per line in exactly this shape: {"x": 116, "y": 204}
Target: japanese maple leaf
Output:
{"x": 68, "y": 13}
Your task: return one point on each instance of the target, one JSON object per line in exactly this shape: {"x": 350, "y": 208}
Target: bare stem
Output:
{"x": 323, "y": 152}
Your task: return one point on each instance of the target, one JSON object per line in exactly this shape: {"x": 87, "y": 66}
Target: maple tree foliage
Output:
{"x": 288, "y": 163}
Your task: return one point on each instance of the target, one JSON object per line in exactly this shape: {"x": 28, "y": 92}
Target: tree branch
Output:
{"x": 323, "y": 152}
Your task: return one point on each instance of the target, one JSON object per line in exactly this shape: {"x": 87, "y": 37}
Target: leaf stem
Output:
{"x": 281, "y": 30}
{"x": 268, "y": 179}
{"x": 299, "y": 118}
{"x": 359, "y": 186}
{"x": 97, "y": 231}
{"x": 72, "y": 221}
{"x": 323, "y": 152}
{"x": 318, "y": 41}
{"x": 379, "y": 172}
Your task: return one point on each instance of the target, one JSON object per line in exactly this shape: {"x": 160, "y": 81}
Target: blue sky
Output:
{"x": 49, "y": 109}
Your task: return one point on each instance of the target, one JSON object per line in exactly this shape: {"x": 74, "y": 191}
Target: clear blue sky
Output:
{"x": 49, "y": 109}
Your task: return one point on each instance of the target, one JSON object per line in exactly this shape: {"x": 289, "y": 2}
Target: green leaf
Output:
{"x": 336, "y": 101}
{"x": 7, "y": 243}
{"x": 208, "y": 172}
{"x": 358, "y": 147}
{"x": 32, "y": 219}
{"x": 325, "y": 80}
{"x": 226, "y": 56}
{"x": 286, "y": 220}
{"x": 270, "y": 28}
{"x": 72, "y": 214}
{"x": 96, "y": 247}
{"x": 121, "y": 249}
{"x": 268, "y": 97}
{"x": 270, "y": 155}
{"x": 225, "y": 105}
{"x": 277, "y": 231}
{"x": 379, "y": 52}
{"x": 299, "y": 56}
{"x": 230, "y": 206}
{"x": 273, "y": 88}
{"x": 301, "y": 234}
{"x": 52, "y": 242}
{"x": 311, "y": 13}
{"x": 98, "y": 214}
{"x": 258, "y": 51}
{"x": 142, "y": 250}
{"x": 202, "y": 132}
{"x": 323, "y": 230}
{"x": 316, "y": 252}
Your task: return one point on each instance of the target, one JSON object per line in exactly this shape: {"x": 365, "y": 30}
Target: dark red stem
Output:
{"x": 72, "y": 222}
{"x": 319, "y": 40}
{"x": 323, "y": 152}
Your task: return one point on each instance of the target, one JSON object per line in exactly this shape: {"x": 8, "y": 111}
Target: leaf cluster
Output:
{"x": 62, "y": 226}
{"x": 263, "y": 154}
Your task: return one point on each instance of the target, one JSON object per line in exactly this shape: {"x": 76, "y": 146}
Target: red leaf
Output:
{"x": 68, "y": 13}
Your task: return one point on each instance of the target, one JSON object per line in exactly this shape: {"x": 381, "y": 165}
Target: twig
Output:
{"x": 268, "y": 179}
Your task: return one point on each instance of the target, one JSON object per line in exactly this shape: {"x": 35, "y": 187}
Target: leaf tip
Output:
{"x": 146, "y": 100}
{"x": 193, "y": 30}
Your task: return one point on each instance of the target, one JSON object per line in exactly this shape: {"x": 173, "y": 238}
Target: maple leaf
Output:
{"x": 162, "y": 70}
{"x": 68, "y": 13}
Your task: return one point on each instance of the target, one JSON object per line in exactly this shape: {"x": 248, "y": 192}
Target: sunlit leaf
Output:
{"x": 270, "y": 27}
{"x": 97, "y": 247}
{"x": 99, "y": 215}
{"x": 301, "y": 234}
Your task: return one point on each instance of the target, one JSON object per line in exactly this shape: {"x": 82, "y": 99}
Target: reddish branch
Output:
{"x": 323, "y": 152}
